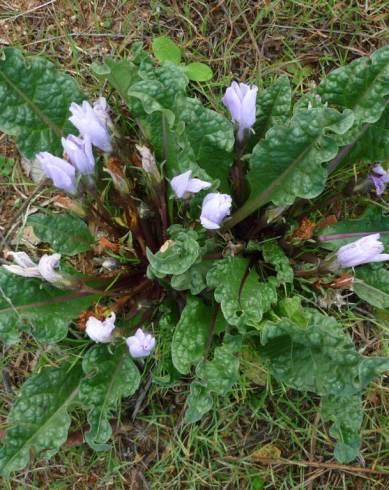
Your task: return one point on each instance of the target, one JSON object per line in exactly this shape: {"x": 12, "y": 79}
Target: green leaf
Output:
{"x": 361, "y": 86}
{"x": 211, "y": 137}
{"x": 39, "y": 418}
{"x": 193, "y": 279}
{"x": 182, "y": 252}
{"x": 346, "y": 413}
{"x": 373, "y": 220}
{"x": 165, "y": 49}
{"x": 222, "y": 372}
{"x": 190, "y": 335}
{"x": 371, "y": 283}
{"x": 198, "y": 72}
{"x": 199, "y": 402}
{"x": 110, "y": 375}
{"x": 288, "y": 162}
{"x": 273, "y": 106}
{"x": 67, "y": 234}
{"x": 34, "y": 100}
{"x": 274, "y": 255}
{"x": 120, "y": 73}
{"x": 242, "y": 297}
{"x": 29, "y": 304}
{"x": 371, "y": 145}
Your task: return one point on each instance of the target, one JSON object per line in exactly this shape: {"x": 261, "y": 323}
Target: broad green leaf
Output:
{"x": 34, "y": 100}
{"x": 190, "y": 335}
{"x": 288, "y": 162}
{"x": 222, "y": 372}
{"x": 181, "y": 253}
{"x": 361, "y": 86}
{"x": 346, "y": 413}
{"x": 67, "y": 234}
{"x": 193, "y": 279}
{"x": 319, "y": 357}
{"x": 373, "y": 220}
{"x": 372, "y": 144}
{"x": 199, "y": 402}
{"x": 165, "y": 49}
{"x": 274, "y": 255}
{"x": 28, "y": 304}
{"x": 110, "y": 375}
{"x": 198, "y": 72}
{"x": 242, "y": 297}
{"x": 211, "y": 137}
{"x": 294, "y": 310}
{"x": 39, "y": 418}
{"x": 120, "y": 73}
{"x": 273, "y": 106}
{"x": 371, "y": 283}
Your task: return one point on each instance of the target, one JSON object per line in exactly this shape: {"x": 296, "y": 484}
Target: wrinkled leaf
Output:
{"x": 110, "y": 375}
{"x": 371, "y": 283}
{"x": 67, "y": 234}
{"x": 28, "y": 304}
{"x": 190, "y": 335}
{"x": 242, "y": 297}
{"x": 34, "y": 100}
{"x": 274, "y": 255}
{"x": 39, "y": 418}
{"x": 199, "y": 402}
{"x": 193, "y": 279}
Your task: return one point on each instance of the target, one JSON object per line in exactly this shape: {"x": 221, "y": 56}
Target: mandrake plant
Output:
{"x": 176, "y": 223}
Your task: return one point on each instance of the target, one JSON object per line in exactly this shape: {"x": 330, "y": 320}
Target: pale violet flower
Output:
{"x": 379, "y": 178}
{"x": 61, "y": 172}
{"x": 140, "y": 344}
{"x": 183, "y": 185}
{"x": 101, "y": 331}
{"x": 23, "y": 265}
{"x": 79, "y": 152}
{"x": 45, "y": 269}
{"x": 215, "y": 208}
{"x": 362, "y": 251}
{"x": 92, "y": 122}
{"x": 240, "y": 100}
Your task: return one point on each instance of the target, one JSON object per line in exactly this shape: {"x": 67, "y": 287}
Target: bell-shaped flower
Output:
{"x": 379, "y": 178}
{"x": 215, "y": 208}
{"x": 140, "y": 344}
{"x": 47, "y": 265}
{"x": 61, "y": 172}
{"x": 240, "y": 100}
{"x": 45, "y": 269}
{"x": 363, "y": 251}
{"x": 183, "y": 185}
{"x": 92, "y": 122}
{"x": 79, "y": 152}
{"x": 101, "y": 331}
{"x": 23, "y": 265}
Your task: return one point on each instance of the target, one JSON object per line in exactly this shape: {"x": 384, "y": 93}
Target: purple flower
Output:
{"x": 362, "y": 251}
{"x": 79, "y": 152}
{"x": 140, "y": 344}
{"x": 380, "y": 178}
{"x": 45, "y": 269}
{"x": 92, "y": 122}
{"x": 101, "y": 331}
{"x": 47, "y": 265}
{"x": 61, "y": 172}
{"x": 240, "y": 100}
{"x": 215, "y": 208}
{"x": 183, "y": 185}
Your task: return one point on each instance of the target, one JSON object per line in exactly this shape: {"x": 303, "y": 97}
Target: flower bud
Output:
{"x": 379, "y": 178}
{"x": 79, "y": 152}
{"x": 92, "y": 122}
{"x": 61, "y": 172}
{"x": 148, "y": 162}
{"x": 23, "y": 266}
{"x": 363, "y": 251}
{"x": 101, "y": 331}
{"x": 240, "y": 100}
{"x": 215, "y": 208}
{"x": 183, "y": 185}
{"x": 140, "y": 344}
